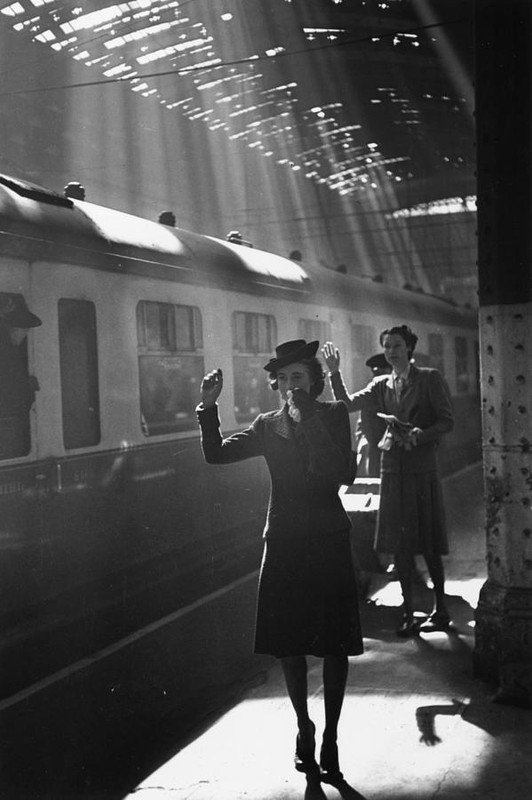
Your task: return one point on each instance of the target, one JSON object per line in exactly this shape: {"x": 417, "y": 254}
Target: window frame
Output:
{"x": 70, "y": 406}
{"x": 160, "y": 351}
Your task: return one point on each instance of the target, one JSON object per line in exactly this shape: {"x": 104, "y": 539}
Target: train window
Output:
{"x": 78, "y": 354}
{"x": 17, "y": 387}
{"x": 363, "y": 345}
{"x": 363, "y": 342}
{"x": 461, "y": 362}
{"x": 254, "y": 339}
{"x": 436, "y": 356}
{"x": 171, "y": 366}
{"x": 312, "y": 329}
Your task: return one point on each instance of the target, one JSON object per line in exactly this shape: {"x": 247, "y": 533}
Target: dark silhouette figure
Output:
{"x": 17, "y": 387}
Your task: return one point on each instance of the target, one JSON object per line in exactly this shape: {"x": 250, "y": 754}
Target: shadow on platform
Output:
{"x": 415, "y": 723}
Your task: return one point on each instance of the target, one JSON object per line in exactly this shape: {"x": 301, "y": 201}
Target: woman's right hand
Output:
{"x": 211, "y": 386}
{"x": 331, "y": 354}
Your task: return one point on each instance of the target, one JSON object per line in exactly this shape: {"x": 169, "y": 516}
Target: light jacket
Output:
{"x": 425, "y": 403}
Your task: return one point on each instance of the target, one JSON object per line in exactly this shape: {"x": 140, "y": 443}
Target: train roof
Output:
{"x": 44, "y": 225}
{"x": 133, "y": 244}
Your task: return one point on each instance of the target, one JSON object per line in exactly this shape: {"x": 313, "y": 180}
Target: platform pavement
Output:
{"x": 416, "y": 725}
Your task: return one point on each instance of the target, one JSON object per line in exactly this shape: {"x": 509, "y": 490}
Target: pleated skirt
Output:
{"x": 411, "y": 516}
{"x": 307, "y": 598}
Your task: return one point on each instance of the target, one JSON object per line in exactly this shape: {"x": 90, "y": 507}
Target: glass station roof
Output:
{"x": 347, "y": 92}
{"x": 370, "y": 102}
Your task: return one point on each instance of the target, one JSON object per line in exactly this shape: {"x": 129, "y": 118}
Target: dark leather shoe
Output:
{"x": 438, "y": 621}
{"x": 408, "y": 627}
{"x": 329, "y": 767}
{"x": 304, "y": 760}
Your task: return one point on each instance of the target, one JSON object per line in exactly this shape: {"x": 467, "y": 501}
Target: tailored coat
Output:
{"x": 411, "y": 514}
{"x": 307, "y": 598}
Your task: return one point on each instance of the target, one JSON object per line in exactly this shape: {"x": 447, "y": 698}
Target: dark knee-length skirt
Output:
{"x": 411, "y": 515}
{"x": 308, "y": 599}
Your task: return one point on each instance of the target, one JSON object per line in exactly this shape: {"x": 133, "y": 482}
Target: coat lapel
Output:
{"x": 280, "y": 424}
{"x": 413, "y": 376}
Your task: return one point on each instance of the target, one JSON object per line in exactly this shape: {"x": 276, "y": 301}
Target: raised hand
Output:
{"x": 211, "y": 386}
{"x": 331, "y": 355}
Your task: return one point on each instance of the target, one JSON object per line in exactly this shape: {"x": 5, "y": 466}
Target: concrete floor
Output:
{"x": 415, "y": 723}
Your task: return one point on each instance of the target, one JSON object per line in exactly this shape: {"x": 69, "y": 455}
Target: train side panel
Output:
{"x": 128, "y": 570}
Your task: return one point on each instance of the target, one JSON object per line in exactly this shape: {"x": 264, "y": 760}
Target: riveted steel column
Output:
{"x": 503, "y": 633}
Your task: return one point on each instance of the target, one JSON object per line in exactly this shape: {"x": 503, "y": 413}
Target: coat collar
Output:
{"x": 281, "y": 424}
{"x": 413, "y": 374}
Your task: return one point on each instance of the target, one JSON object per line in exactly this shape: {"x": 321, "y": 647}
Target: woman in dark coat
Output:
{"x": 307, "y": 597}
{"x": 411, "y": 517}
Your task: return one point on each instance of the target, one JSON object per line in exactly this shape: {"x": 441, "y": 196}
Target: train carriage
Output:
{"x": 128, "y": 566}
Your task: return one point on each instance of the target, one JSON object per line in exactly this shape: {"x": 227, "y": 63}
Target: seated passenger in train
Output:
{"x": 416, "y": 403}
{"x": 307, "y": 594}
{"x": 17, "y": 387}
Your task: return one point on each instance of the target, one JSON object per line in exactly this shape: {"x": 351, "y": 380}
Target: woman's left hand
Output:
{"x": 300, "y": 404}
{"x": 413, "y": 436}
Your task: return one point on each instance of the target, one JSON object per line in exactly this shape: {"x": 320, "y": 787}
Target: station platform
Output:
{"x": 415, "y": 725}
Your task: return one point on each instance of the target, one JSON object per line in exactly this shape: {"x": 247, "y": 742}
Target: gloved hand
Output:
{"x": 303, "y": 402}
{"x": 413, "y": 436}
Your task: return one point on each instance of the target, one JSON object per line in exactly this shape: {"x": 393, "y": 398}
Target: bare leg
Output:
{"x": 435, "y": 568}
{"x": 403, "y": 565}
{"x": 295, "y": 674}
{"x": 334, "y": 681}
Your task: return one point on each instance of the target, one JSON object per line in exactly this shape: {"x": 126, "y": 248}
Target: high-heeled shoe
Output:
{"x": 304, "y": 760}
{"x": 438, "y": 621}
{"x": 408, "y": 627}
{"x": 329, "y": 767}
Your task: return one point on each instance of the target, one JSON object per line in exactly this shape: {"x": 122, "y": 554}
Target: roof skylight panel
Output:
{"x": 210, "y": 63}
{"x": 117, "y": 70}
{"x": 171, "y": 50}
{"x": 93, "y": 19}
{"x": 143, "y": 33}
{"x": 93, "y": 61}
{"x": 13, "y": 10}
{"x": 45, "y": 36}
{"x": 212, "y": 84}
{"x": 28, "y": 23}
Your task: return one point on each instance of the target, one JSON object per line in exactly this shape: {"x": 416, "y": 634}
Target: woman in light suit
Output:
{"x": 307, "y": 598}
{"x": 411, "y": 517}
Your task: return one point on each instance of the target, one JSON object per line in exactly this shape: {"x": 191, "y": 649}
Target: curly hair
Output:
{"x": 316, "y": 373}
{"x": 405, "y": 333}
